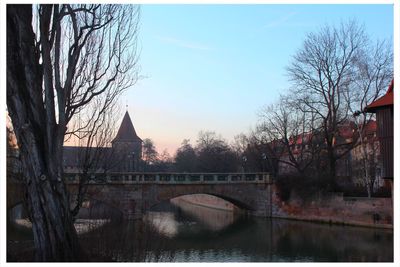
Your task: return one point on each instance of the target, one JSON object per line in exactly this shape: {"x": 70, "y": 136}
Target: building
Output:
{"x": 128, "y": 145}
{"x": 383, "y": 107}
{"x": 309, "y": 150}
{"x": 375, "y": 150}
{"x": 301, "y": 149}
{"x": 124, "y": 155}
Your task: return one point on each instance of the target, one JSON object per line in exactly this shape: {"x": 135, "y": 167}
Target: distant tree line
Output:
{"x": 210, "y": 154}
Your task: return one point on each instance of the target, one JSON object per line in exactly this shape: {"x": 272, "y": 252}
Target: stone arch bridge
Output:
{"x": 135, "y": 193}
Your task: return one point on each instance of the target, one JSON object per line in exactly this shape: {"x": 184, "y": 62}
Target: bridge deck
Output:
{"x": 171, "y": 178}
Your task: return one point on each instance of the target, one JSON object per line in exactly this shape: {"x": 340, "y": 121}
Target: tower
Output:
{"x": 128, "y": 146}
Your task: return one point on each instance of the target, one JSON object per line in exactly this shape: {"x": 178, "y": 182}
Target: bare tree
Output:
{"x": 323, "y": 73}
{"x": 292, "y": 127}
{"x": 150, "y": 154}
{"x": 374, "y": 71}
{"x": 94, "y": 154}
{"x": 214, "y": 154}
{"x": 240, "y": 144}
{"x": 365, "y": 162}
{"x": 249, "y": 152}
{"x": 165, "y": 162}
{"x": 72, "y": 55}
{"x": 186, "y": 157}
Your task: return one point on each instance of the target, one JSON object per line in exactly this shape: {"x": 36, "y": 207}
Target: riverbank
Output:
{"x": 81, "y": 225}
{"x": 333, "y": 222}
{"x": 336, "y": 209}
{"x": 20, "y": 246}
{"x": 327, "y": 208}
{"x": 210, "y": 235}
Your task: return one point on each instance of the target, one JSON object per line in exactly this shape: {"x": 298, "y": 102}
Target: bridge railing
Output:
{"x": 172, "y": 178}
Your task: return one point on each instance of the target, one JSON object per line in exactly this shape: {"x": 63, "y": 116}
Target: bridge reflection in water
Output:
{"x": 187, "y": 233}
{"x": 166, "y": 223}
{"x": 210, "y": 218}
{"x": 205, "y": 234}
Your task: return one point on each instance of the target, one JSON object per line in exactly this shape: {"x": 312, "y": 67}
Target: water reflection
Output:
{"x": 187, "y": 233}
{"x": 163, "y": 222}
{"x": 209, "y": 235}
{"x": 212, "y": 219}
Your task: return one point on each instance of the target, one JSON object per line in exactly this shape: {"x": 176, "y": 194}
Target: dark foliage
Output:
{"x": 186, "y": 158}
{"x": 304, "y": 187}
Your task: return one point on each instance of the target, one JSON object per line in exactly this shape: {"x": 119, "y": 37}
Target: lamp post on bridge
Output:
{"x": 263, "y": 158}
{"x": 244, "y": 158}
{"x": 131, "y": 161}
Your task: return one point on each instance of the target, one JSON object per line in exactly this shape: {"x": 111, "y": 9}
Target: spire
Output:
{"x": 126, "y": 131}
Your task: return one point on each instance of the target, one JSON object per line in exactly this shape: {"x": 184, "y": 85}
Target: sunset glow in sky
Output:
{"x": 213, "y": 67}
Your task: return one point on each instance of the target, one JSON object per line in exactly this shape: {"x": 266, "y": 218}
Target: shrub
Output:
{"x": 304, "y": 187}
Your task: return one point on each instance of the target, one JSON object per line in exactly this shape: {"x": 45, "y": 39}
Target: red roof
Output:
{"x": 386, "y": 100}
{"x": 370, "y": 127}
{"x": 299, "y": 139}
{"x": 126, "y": 131}
{"x": 346, "y": 130}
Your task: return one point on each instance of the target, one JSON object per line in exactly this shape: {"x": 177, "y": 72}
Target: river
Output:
{"x": 182, "y": 232}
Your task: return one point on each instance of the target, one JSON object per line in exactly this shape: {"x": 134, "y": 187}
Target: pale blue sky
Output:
{"x": 212, "y": 67}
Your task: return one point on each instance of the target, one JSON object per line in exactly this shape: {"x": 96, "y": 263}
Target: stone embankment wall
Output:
{"x": 327, "y": 208}
{"x": 334, "y": 208}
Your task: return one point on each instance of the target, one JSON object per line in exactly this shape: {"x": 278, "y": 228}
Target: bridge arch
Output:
{"x": 236, "y": 202}
{"x": 113, "y": 197}
{"x": 17, "y": 211}
{"x": 250, "y": 197}
{"x": 15, "y": 204}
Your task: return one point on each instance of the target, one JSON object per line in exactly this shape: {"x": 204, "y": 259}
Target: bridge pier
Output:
{"x": 131, "y": 204}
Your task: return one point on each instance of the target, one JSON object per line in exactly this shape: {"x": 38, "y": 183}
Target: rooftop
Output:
{"x": 386, "y": 100}
{"x": 126, "y": 131}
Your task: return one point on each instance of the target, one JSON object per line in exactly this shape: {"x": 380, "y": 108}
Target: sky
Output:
{"x": 213, "y": 67}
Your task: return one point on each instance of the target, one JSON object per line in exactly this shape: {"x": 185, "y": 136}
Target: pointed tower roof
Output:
{"x": 126, "y": 131}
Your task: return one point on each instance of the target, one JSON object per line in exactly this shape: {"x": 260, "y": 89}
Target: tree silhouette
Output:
{"x": 60, "y": 60}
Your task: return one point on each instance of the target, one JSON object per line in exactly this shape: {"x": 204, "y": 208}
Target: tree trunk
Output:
{"x": 54, "y": 234}
{"x": 48, "y": 206}
{"x": 332, "y": 168}
{"x": 367, "y": 180}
